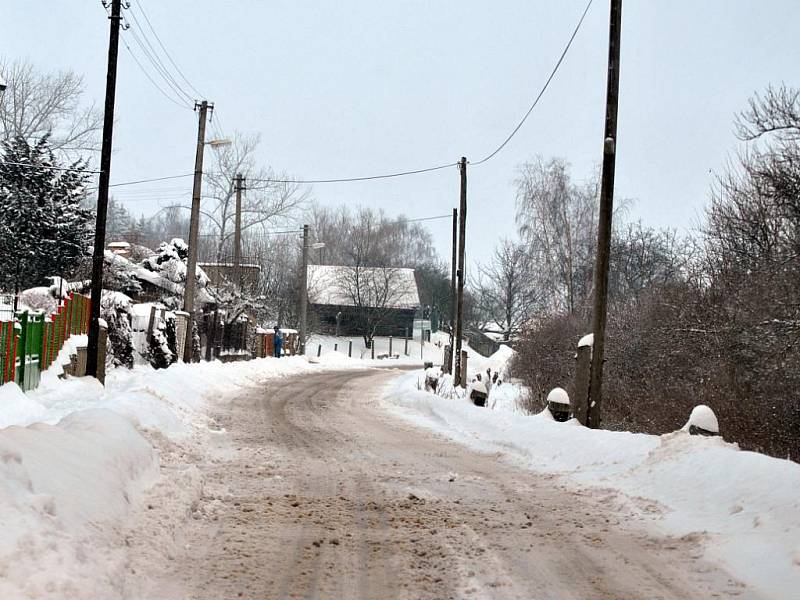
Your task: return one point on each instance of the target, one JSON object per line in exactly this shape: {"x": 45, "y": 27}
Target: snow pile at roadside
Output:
{"x": 74, "y": 457}
{"x": 744, "y": 505}
{"x": 57, "y": 483}
{"x": 497, "y": 362}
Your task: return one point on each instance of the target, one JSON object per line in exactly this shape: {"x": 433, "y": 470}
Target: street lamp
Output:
{"x": 219, "y": 143}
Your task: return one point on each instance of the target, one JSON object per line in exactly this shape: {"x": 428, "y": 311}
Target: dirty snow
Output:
{"x": 75, "y": 457}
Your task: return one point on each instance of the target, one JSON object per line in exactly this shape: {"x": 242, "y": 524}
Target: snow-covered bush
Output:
{"x": 159, "y": 353}
{"x": 115, "y": 308}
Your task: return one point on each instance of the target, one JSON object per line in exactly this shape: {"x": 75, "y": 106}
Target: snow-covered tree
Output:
{"x": 44, "y": 231}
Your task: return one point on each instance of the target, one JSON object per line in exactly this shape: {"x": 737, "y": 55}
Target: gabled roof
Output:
{"x": 328, "y": 285}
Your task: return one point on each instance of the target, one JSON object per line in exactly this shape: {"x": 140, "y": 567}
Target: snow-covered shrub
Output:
{"x": 159, "y": 353}
{"x": 115, "y": 308}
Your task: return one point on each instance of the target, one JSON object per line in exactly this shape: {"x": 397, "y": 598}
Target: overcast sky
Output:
{"x": 349, "y": 88}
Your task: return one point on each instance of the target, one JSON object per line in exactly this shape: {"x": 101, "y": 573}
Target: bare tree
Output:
{"x": 36, "y": 104}
{"x": 269, "y": 200}
{"x": 505, "y": 288}
{"x": 371, "y": 280}
{"x": 556, "y": 221}
{"x": 395, "y": 239}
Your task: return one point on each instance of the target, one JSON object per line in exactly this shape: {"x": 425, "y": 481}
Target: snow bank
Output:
{"x": 746, "y": 506}
{"x": 57, "y": 483}
{"x": 75, "y": 457}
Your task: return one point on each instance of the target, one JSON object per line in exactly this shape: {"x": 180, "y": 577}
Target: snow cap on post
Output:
{"x": 558, "y": 403}
{"x": 587, "y": 340}
{"x": 558, "y": 396}
{"x": 702, "y": 421}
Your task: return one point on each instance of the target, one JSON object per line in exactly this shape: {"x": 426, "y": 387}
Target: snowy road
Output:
{"x": 318, "y": 493}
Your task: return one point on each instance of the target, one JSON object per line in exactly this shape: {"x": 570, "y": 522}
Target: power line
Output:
{"x": 146, "y": 74}
{"x": 139, "y": 64}
{"x": 543, "y": 90}
{"x": 350, "y": 179}
{"x": 401, "y": 173}
{"x": 166, "y": 53}
{"x": 159, "y": 67}
{"x": 32, "y": 166}
{"x": 138, "y": 181}
{"x": 423, "y": 219}
{"x": 153, "y": 55}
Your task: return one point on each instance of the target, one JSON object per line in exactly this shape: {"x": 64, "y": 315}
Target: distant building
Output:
{"x": 246, "y": 274}
{"x": 387, "y": 296}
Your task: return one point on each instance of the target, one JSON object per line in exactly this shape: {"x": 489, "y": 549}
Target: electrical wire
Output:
{"x": 154, "y": 57}
{"x": 158, "y": 66}
{"x": 450, "y": 216}
{"x": 32, "y": 166}
{"x": 350, "y": 179}
{"x": 166, "y": 53}
{"x": 146, "y": 74}
{"x": 541, "y": 92}
{"x": 488, "y": 157}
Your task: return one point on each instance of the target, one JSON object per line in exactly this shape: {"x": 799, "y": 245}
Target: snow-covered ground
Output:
{"x": 432, "y": 351}
{"x": 74, "y": 458}
{"x": 743, "y": 506}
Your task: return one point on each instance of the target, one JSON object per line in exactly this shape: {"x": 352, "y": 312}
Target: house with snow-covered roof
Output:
{"x": 362, "y": 300}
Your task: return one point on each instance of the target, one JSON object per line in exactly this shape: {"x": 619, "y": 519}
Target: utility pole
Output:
{"x": 237, "y": 234}
{"x": 304, "y": 292}
{"x": 194, "y": 227}
{"x": 604, "y": 226}
{"x": 102, "y": 195}
{"x": 453, "y": 267}
{"x": 462, "y": 229}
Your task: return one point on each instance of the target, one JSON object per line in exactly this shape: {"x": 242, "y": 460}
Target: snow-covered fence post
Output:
{"x": 82, "y": 353}
{"x": 405, "y": 351}
{"x": 463, "y": 380}
{"x": 23, "y": 344}
{"x": 350, "y": 349}
{"x": 702, "y": 421}
{"x": 102, "y": 343}
{"x": 583, "y": 371}
{"x": 151, "y": 324}
{"x": 181, "y": 323}
{"x": 558, "y": 403}
{"x": 319, "y": 350}
{"x": 336, "y": 347}
{"x": 372, "y": 346}
{"x": 390, "y": 346}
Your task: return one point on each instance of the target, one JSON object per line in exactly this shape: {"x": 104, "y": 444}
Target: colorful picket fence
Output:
{"x": 30, "y": 342}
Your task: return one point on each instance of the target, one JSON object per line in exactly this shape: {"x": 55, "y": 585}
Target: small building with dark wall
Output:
{"x": 329, "y": 300}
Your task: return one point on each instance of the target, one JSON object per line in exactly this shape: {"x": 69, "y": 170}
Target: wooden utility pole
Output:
{"x": 304, "y": 292}
{"x": 593, "y": 416}
{"x": 194, "y": 228}
{"x": 102, "y": 195}
{"x": 453, "y": 267}
{"x": 237, "y": 233}
{"x": 462, "y": 229}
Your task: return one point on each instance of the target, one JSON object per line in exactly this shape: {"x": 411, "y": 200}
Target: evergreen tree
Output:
{"x": 44, "y": 231}
{"x": 119, "y": 221}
